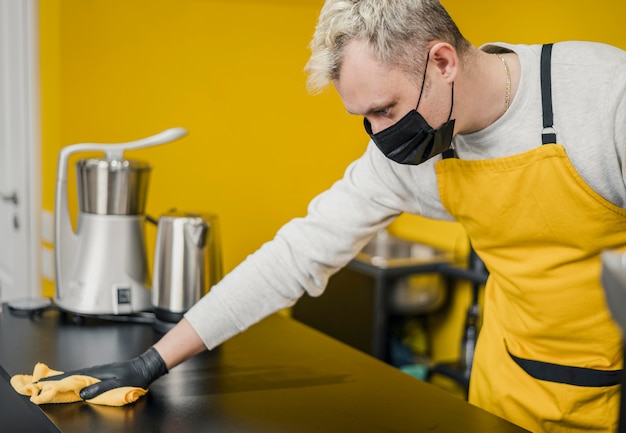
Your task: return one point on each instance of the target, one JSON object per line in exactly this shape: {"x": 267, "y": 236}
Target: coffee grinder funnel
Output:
{"x": 112, "y": 187}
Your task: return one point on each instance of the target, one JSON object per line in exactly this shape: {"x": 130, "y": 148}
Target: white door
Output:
{"x": 20, "y": 243}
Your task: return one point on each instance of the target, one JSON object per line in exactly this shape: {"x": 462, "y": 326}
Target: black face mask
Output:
{"x": 411, "y": 140}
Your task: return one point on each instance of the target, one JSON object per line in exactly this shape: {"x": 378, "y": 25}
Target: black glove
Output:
{"x": 137, "y": 372}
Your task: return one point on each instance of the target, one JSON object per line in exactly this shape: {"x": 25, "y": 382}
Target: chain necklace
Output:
{"x": 507, "y": 94}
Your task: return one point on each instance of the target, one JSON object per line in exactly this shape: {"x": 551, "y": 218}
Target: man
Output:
{"x": 549, "y": 355}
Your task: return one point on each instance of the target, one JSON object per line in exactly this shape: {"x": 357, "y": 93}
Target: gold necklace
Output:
{"x": 507, "y": 94}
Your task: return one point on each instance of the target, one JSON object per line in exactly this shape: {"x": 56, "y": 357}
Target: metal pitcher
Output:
{"x": 187, "y": 262}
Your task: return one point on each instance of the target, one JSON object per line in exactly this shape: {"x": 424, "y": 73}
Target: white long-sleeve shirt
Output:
{"x": 589, "y": 100}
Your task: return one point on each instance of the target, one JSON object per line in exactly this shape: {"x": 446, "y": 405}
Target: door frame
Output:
{"x": 19, "y": 57}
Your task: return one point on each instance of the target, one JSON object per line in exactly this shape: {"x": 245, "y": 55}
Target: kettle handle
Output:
{"x": 64, "y": 236}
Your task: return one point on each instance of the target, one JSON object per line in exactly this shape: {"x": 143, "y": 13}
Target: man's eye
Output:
{"x": 383, "y": 112}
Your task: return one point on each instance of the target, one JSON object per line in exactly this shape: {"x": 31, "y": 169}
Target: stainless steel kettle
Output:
{"x": 187, "y": 262}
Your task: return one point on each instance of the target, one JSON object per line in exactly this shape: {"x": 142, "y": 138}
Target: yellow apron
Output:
{"x": 548, "y": 355}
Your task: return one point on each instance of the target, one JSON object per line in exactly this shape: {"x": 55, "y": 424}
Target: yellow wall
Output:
{"x": 230, "y": 71}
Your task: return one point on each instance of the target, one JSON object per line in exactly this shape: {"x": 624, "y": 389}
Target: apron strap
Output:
{"x": 548, "y": 134}
{"x": 448, "y": 153}
{"x": 577, "y": 376}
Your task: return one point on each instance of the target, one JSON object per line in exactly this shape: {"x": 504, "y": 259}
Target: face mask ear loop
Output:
{"x": 423, "y": 81}
{"x": 451, "y": 103}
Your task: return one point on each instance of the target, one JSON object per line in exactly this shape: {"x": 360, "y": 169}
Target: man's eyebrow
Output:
{"x": 376, "y": 107}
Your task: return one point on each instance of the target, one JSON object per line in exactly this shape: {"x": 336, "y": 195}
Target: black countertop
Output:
{"x": 278, "y": 376}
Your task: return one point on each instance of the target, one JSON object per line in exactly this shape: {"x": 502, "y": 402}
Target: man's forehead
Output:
{"x": 365, "y": 84}
{"x": 355, "y": 52}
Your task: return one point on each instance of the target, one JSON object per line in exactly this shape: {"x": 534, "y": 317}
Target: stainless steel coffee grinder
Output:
{"x": 101, "y": 268}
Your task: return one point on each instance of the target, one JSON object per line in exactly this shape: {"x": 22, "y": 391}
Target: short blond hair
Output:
{"x": 396, "y": 31}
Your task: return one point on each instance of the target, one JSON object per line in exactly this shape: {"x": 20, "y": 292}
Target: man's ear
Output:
{"x": 445, "y": 60}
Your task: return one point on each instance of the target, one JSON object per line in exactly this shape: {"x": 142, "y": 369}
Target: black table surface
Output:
{"x": 278, "y": 376}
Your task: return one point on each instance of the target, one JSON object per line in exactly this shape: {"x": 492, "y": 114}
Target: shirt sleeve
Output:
{"x": 618, "y": 106}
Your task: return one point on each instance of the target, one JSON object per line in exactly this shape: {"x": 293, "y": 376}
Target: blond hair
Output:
{"x": 396, "y": 31}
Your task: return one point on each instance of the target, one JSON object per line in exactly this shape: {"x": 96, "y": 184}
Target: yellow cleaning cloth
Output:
{"x": 67, "y": 390}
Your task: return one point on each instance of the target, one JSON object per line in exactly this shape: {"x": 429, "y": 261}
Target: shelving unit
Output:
{"x": 356, "y": 307}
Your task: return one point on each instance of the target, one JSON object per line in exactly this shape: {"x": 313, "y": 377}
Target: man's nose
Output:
{"x": 379, "y": 125}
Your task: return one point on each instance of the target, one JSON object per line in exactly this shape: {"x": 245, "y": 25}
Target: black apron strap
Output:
{"x": 548, "y": 135}
{"x": 577, "y": 376}
{"x": 448, "y": 153}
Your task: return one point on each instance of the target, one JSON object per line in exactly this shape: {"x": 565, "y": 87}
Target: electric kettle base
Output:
{"x": 162, "y": 326}
{"x": 164, "y": 320}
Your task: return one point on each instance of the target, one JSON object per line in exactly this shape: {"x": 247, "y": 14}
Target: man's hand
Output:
{"x": 137, "y": 372}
